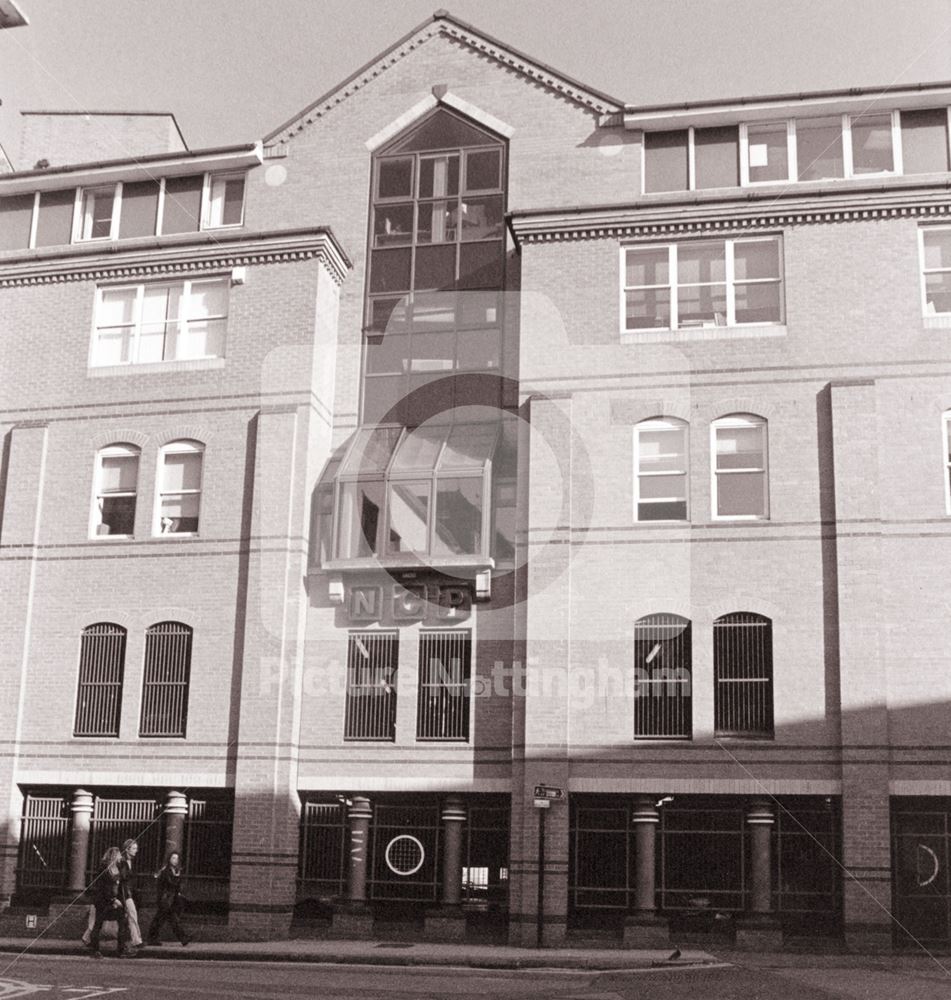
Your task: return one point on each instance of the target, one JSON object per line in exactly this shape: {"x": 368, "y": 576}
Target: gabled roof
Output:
{"x": 443, "y": 23}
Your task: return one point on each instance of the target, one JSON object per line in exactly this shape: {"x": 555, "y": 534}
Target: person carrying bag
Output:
{"x": 170, "y": 901}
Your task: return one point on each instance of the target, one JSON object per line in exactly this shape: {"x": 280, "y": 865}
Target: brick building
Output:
{"x": 472, "y": 432}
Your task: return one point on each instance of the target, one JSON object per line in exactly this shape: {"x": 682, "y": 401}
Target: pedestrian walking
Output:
{"x": 128, "y": 891}
{"x": 170, "y": 901}
{"x": 107, "y": 892}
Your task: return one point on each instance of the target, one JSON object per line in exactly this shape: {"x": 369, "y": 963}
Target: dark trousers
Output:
{"x": 169, "y": 913}
{"x": 104, "y": 915}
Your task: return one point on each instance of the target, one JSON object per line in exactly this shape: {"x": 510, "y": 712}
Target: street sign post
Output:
{"x": 543, "y": 797}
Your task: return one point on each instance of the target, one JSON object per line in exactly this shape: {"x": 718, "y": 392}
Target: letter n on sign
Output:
{"x": 366, "y": 603}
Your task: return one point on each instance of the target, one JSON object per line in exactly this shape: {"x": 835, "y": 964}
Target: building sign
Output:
{"x": 396, "y": 602}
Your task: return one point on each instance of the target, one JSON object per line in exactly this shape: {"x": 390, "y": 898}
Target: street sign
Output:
{"x": 548, "y": 792}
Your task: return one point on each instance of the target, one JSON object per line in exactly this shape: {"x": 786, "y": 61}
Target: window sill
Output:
{"x": 408, "y": 562}
{"x": 153, "y": 368}
{"x": 699, "y": 333}
{"x": 942, "y": 322}
{"x": 178, "y": 535}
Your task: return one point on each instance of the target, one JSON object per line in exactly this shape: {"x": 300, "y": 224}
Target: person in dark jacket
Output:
{"x": 128, "y": 893}
{"x": 170, "y": 901}
{"x": 107, "y": 895}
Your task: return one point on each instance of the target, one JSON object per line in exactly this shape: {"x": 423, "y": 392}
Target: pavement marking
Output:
{"x": 17, "y": 988}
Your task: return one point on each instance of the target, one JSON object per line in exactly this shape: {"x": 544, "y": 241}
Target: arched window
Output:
{"x": 743, "y": 675}
{"x": 101, "y": 668}
{"x": 116, "y": 484}
{"x": 662, "y": 678}
{"x": 168, "y": 657}
{"x": 740, "y": 472}
{"x": 179, "y": 488}
{"x": 660, "y": 456}
{"x": 437, "y": 250}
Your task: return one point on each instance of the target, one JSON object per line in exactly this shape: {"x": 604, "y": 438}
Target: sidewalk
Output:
{"x": 383, "y": 953}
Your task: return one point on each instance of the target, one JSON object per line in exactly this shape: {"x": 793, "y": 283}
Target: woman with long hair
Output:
{"x": 107, "y": 892}
{"x": 127, "y": 891}
{"x": 170, "y": 900}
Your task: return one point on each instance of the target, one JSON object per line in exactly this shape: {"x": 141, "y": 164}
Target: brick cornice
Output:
{"x": 161, "y": 259}
{"x": 672, "y": 219}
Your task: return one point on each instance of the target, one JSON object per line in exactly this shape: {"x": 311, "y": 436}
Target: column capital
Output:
{"x": 454, "y": 809}
{"x": 759, "y": 812}
{"x": 176, "y": 802}
{"x": 81, "y": 802}
{"x": 360, "y": 807}
{"x": 645, "y": 810}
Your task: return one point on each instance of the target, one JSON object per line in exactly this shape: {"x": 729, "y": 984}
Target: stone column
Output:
{"x": 644, "y": 928}
{"x": 176, "y": 809}
{"x": 81, "y": 808}
{"x": 759, "y": 930}
{"x": 352, "y": 918}
{"x": 448, "y": 922}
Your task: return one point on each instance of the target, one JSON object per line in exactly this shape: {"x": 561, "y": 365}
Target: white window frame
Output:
{"x": 946, "y": 459}
{"x": 691, "y": 162}
{"x": 186, "y": 287}
{"x": 729, "y": 283}
{"x": 923, "y": 271}
{"x": 738, "y": 420}
{"x": 119, "y": 449}
{"x": 206, "y": 202}
{"x": 792, "y": 151}
{"x": 80, "y": 215}
{"x": 180, "y": 446}
{"x": 661, "y": 424}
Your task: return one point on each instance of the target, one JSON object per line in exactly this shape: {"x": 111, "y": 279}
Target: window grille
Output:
{"x": 44, "y": 844}
{"x": 101, "y": 665}
{"x": 372, "y": 661}
{"x": 743, "y": 672}
{"x": 206, "y": 850}
{"x": 442, "y": 710}
{"x": 322, "y": 866}
{"x": 117, "y": 820}
{"x": 168, "y": 653}
{"x": 662, "y": 681}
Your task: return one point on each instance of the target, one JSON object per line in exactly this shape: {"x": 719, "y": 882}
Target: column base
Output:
{"x": 868, "y": 939}
{"x": 523, "y": 931}
{"x": 646, "y": 930}
{"x": 448, "y": 923}
{"x": 758, "y": 933}
{"x": 353, "y": 921}
{"x": 259, "y": 924}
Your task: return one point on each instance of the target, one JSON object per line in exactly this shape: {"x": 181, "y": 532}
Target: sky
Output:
{"x": 233, "y": 70}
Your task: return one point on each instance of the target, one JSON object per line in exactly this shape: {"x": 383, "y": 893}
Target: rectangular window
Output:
{"x": 767, "y": 152}
{"x": 179, "y": 497}
{"x": 224, "y": 200}
{"x": 936, "y": 270}
{"x": 139, "y": 324}
{"x": 181, "y": 205}
{"x": 740, "y": 488}
{"x": 661, "y": 459}
{"x": 97, "y": 215}
{"x": 743, "y": 673}
{"x": 872, "y": 144}
{"x": 445, "y": 664}
{"x": 819, "y": 148}
{"x": 665, "y": 161}
{"x": 101, "y": 666}
{"x": 716, "y": 157}
{"x": 116, "y": 480}
{"x": 16, "y": 221}
{"x": 372, "y": 662}
{"x": 139, "y": 209}
{"x": 168, "y": 655}
{"x": 924, "y": 141}
{"x": 662, "y": 678}
{"x": 704, "y": 284}
{"x": 54, "y": 218}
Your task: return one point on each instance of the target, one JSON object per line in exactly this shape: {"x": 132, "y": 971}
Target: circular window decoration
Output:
{"x": 405, "y": 855}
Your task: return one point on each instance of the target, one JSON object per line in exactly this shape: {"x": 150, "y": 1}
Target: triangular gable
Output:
{"x": 442, "y": 23}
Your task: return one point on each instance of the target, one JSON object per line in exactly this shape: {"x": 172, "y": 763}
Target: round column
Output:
{"x": 359, "y": 813}
{"x": 81, "y": 808}
{"x": 453, "y": 818}
{"x": 645, "y": 819}
{"x": 760, "y": 819}
{"x": 176, "y": 809}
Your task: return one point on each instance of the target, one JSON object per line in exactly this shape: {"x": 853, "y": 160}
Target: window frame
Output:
{"x": 80, "y": 214}
{"x": 729, "y": 283}
{"x": 207, "y": 204}
{"x": 845, "y": 133}
{"x": 391, "y": 639}
{"x": 464, "y": 696}
{"x": 123, "y": 634}
{"x": 115, "y": 450}
{"x": 661, "y": 621}
{"x": 661, "y": 424}
{"x": 177, "y": 447}
{"x": 766, "y": 669}
{"x": 736, "y": 421}
{"x": 146, "y": 685}
{"x": 184, "y": 287}
{"x": 691, "y": 160}
{"x": 923, "y": 271}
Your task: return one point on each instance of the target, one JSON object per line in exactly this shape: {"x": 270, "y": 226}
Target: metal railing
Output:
{"x": 43, "y": 860}
{"x": 372, "y": 662}
{"x": 101, "y": 666}
{"x": 445, "y": 661}
{"x": 168, "y": 653}
{"x": 662, "y": 679}
{"x": 322, "y": 866}
{"x": 743, "y": 672}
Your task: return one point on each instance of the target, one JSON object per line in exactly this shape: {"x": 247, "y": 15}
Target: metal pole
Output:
{"x": 540, "y": 927}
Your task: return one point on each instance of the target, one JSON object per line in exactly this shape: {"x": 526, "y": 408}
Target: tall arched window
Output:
{"x": 740, "y": 470}
{"x": 168, "y": 658}
{"x": 662, "y": 678}
{"x": 437, "y": 250}
{"x": 116, "y": 484}
{"x": 660, "y": 454}
{"x": 743, "y": 675}
{"x": 101, "y": 668}
{"x": 179, "y": 488}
